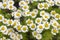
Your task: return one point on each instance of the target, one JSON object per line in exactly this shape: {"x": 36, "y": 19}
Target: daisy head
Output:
{"x": 38, "y": 36}
{"x": 40, "y": 27}
{"x": 18, "y": 28}
{"x": 25, "y": 7}
{"x": 3, "y": 28}
{"x": 10, "y": 2}
{"x": 33, "y": 26}
{"x": 40, "y": 6}
{"x": 54, "y": 31}
{"x": 53, "y": 13}
{"x": 42, "y": 13}
{"x": 47, "y": 25}
{"x": 38, "y": 20}
{"x": 33, "y": 14}
{"x": 34, "y": 33}
{"x": 51, "y": 3}
{"x": 29, "y": 21}
{"x": 57, "y": 3}
{"x": 46, "y": 6}
{"x": 1, "y": 18}
{"x": 5, "y": 21}
{"x": 17, "y": 15}
{"x": 24, "y": 28}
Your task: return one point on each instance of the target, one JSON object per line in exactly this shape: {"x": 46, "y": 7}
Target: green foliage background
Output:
{"x": 28, "y": 36}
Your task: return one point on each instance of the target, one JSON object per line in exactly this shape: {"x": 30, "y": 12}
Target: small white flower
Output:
{"x": 24, "y": 29}
{"x": 35, "y": 10}
{"x": 25, "y": 7}
{"x": 38, "y": 36}
{"x": 33, "y": 14}
{"x": 38, "y": 20}
{"x": 29, "y": 21}
{"x": 3, "y": 28}
{"x": 1, "y": 18}
{"x": 33, "y": 26}
{"x": 5, "y": 21}
{"x": 40, "y": 6}
{"x": 10, "y": 2}
{"x": 34, "y": 33}
{"x": 51, "y": 3}
{"x": 54, "y": 31}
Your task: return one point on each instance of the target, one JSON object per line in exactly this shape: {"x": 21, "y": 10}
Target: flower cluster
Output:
{"x": 24, "y": 19}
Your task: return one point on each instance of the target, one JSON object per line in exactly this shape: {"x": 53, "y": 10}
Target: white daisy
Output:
{"x": 40, "y": 6}
{"x": 38, "y": 36}
{"x": 10, "y": 2}
{"x": 3, "y": 28}
{"x": 5, "y": 21}
{"x": 54, "y": 31}
{"x": 33, "y": 26}
{"x": 24, "y": 28}
{"x": 38, "y": 20}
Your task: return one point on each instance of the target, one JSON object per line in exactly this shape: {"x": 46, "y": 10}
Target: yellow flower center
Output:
{"x": 40, "y": 5}
{"x": 2, "y": 28}
{"x": 33, "y": 26}
{"x": 40, "y": 27}
{"x": 54, "y": 30}
{"x": 0, "y": 17}
{"x": 17, "y": 14}
{"x": 4, "y": 5}
{"x": 19, "y": 28}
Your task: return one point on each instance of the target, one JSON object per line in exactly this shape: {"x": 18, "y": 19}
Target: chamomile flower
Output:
{"x": 51, "y": 3}
{"x": 10, "y": 22}
{"x": 10, "y": 2}
{"x": 58, "y": 27}
{"x": 57, "y": 16}
{"x": 55, "y": 24}
{"x": 13, "y": 35}
{"x": 53, "y": 13}
{"x": 40, "y": 26}
{"x": 3, "y": 28}
{"x": 18, "y": 28}
{"x": 25, "y": 7}
{"x": 54, "y": 31}
{"x": 33, "y": 14}
{"x": 1, "y": 18}
{"x": 34, "y": 33}
{"x": 33, "y": 26}
{"x": 24, "y": 28}
{"x": 35, "y": 10}
{"x": 10, "y": 30}
{"x": 29, "y": 21}
{"x": 22, "y": 3}
{"x": 46, "y": 16}
{"x": 4, "y": 5}
{"x": 47, "y": 25}
{"x": 57, "y": 3}
{"x": 40, "y": 6}
{"x": 5, "y": 21}
{"x": 46, "y": 5}
{"x": 27, "y": 13}
{"x": 10, "y": 7}
{"x": 38, "y": 36}
{"x": 38, "y": 20}
{"x": 42, "y": 13}
{"x": 17, "y": 15}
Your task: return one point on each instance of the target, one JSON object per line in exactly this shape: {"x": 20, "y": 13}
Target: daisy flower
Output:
{"x": 22, "y": 3}
{"x": 29, "y": 21}
{"x": 18, "y": 28}
{"x": 34, "y": 33}
{"x": 58, "y": 27}
{"x": 33, "y": 14}
{"x": 35, "y": 10}
{"x": 1, "y": 18}
{"x": 53, "y": 13}
{"x": 47, "y": 25}
{"x": 38, "y": 36}
{"x": 40, "y": 6}
{"x": 3, "y": 28}
{"x": 24, "y": 28}
{"x": 46, "y": 5}
{"x": 51, "y": 3}
{"x": 57, "y": 3}
{"x": 38, "y": 20}
{"x": 10, "y": 22}
{"x": 54, "y": 31}
{"x": 33, "y": 26}
{"x": 10, "y": 2}
{"x": 42, "y": 13}
{"x": 40, "y": 26}
{"x": 57, "y": 16}
{"x": 5, "y": 21}
{"x": 25, "y": 7}
{"x": 4, "y": 5}
{"x": 17, "y": 15}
